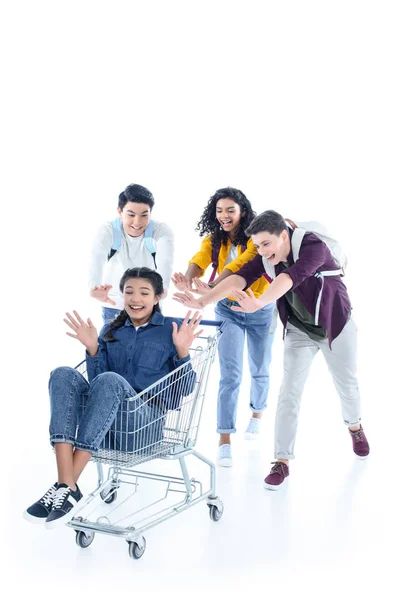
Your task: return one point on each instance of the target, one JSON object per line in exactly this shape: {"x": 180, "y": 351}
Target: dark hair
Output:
{"x": 209, "y": 224}
{"x": 269, "y": 221}
{"x": 135, "y": 193}
{"x": 136, "y": 273}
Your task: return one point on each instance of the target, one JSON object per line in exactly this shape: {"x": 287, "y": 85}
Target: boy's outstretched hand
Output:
{"x": 185, "y": 336}
{"x": 187, "y": 299}
{"x": 86, "y": 333}
{"x": 248, "y": 303}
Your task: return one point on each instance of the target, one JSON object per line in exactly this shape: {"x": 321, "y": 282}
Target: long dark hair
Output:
{"x": 156, "y": 282}
{"x": 209, "y": 224}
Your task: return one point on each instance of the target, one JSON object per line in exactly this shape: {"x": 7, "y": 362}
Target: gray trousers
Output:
{"x": 299, "y": 351}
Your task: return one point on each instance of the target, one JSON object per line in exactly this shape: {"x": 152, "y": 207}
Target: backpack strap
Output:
{"x": 297, "y": 240}
{"x": 149, "y": 241}
{"x": 117, "y": 236}
{"x": 214, "y": 259}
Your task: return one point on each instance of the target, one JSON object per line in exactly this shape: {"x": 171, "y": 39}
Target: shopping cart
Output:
{"x": 176, "y": 403}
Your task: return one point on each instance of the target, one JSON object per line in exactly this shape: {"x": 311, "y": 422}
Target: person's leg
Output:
{"x": 66, "y": 390}
{"x": 299, "y": 351}
{"x": 230, "y": 353}
{"x": 260, "y": 337}
{"x": 104, "y": 396}
{"x": 341, "y": 359}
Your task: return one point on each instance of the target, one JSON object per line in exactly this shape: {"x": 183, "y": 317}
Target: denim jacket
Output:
{"x": 143, "y": 357}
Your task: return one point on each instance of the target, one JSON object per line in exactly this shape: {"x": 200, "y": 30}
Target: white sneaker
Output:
{"x": 253, "y": 429}
{"x": 225, "y": 455}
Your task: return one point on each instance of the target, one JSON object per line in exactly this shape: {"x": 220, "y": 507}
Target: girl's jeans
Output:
{"x": 83, "y": 413}
{"x": 260, "y": 336}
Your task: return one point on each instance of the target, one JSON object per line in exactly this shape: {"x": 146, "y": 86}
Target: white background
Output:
{"x": 295, "y": 103}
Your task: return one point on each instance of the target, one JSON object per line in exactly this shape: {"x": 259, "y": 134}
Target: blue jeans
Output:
{"x": 260, "y": 335}
{"x": 83, "y": 413}
{"x": 109, "y": 314}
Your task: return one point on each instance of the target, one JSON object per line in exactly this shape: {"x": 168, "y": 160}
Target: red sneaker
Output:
{"x": 360, "y": 443}
{"x": 277, "y": 476}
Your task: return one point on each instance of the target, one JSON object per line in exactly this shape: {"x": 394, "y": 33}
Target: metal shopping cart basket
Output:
{"x": 174, "y": 406}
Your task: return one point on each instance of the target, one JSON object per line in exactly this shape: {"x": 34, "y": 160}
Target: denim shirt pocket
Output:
{"x": 151, "y": 355}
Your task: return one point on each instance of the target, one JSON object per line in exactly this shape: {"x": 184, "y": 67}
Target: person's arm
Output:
{"x": 249, "y": 303}
{"x": 197, "y": 265}
{"x": 100, "y": 250}
{"x": 164, "y": 237}
{"x": 313, "y": 254}
{"x": 97, "y": 362}
{"x": 235, "y": 265}
{"x": 182, "y": 382}
{"x": 244, "y": 278}
{"x": 221, "y": 291}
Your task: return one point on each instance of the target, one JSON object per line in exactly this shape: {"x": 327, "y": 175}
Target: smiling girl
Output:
{"x": 135, "y": 248}
{"x": 227, "y": 246}
{"x": 133, "y": 352}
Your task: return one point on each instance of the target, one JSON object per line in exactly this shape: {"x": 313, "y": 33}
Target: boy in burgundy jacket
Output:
{"x": 316, "y": 315}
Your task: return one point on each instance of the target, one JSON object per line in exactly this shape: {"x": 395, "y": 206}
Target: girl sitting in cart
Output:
{"x": 134, "y": 351}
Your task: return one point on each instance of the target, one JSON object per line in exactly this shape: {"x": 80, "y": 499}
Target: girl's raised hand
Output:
{"x": 86, "y": 333}
{"x": 187, "y": 333}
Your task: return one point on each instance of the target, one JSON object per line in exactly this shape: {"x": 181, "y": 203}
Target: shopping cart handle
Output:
{"x": 211, "y": 323}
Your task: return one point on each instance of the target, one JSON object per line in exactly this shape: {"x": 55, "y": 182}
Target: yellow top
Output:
{"x": 203, "y": 259}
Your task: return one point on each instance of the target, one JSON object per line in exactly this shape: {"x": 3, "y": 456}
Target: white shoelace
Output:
{"x": 49, "y": 496}
{"x": 61, "y": 495}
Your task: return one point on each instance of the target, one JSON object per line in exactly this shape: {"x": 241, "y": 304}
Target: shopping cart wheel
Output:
{"x": 84, "y": 539}
{"x": 135, "y": 551}
{"x": 109, "y": 496}
{"x": 215, "y": 514}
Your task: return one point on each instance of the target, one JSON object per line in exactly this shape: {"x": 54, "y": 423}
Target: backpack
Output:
{"x": 214, "y": 258}
{"x": 320, "y": 231}
{"x": 148, "y": 239}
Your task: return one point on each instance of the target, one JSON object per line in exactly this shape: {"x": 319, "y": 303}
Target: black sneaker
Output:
{"x": 65, "y": 505}
{"x": 38, "y": 512}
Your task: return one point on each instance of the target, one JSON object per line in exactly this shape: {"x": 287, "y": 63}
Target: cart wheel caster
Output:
{"x": 84, "y": 539}
{"x": 110, "y": 496}
{"x": 135, "y": 551}
{"x": 215, "y": 514}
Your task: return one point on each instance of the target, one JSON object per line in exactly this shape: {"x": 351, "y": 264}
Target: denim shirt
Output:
{"x": 143, "y": 357}
{"x": 314, "y": 256}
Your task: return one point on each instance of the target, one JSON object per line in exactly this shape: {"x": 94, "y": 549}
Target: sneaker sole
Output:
{"x": 225, "y": 462}
{"x": 34, "y": 520}
{"x": 274, "y": 488}
{"x": 361, "y": 457}
{"x": 67, "y": 517}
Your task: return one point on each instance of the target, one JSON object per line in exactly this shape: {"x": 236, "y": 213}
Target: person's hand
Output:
{"x": 180, "y": 282}
{"x": 86, "y": 333}
{"x": 185, "y": 336}
{"x": 164, "y": 295}
{"x": 248, "y": 304}
{"x": 200, "y": 287}
{"x": 100, "y": 292}
{"x": 187, "y": 299}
